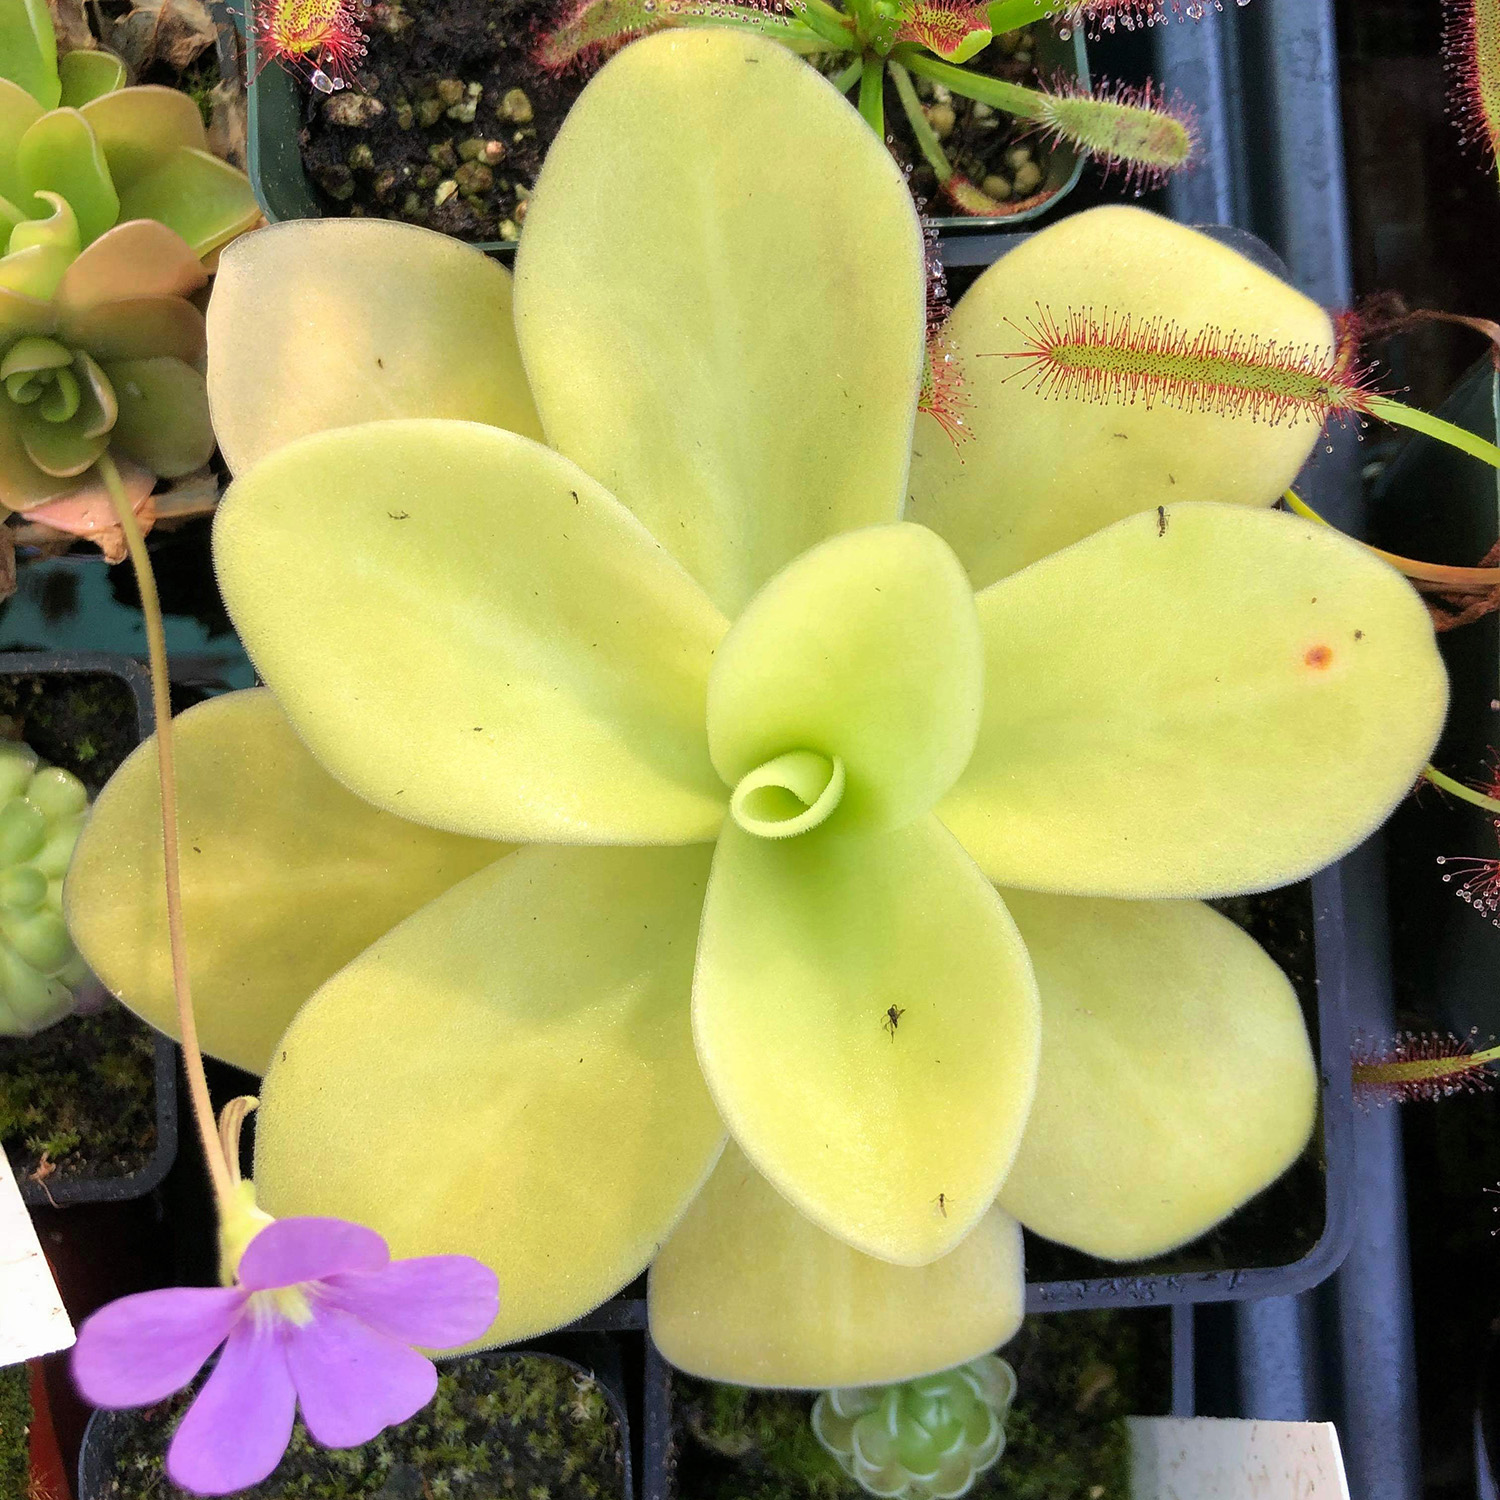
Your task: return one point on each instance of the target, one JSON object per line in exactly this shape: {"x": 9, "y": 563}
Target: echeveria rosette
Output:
{"x": 703, "y": 590}
{"x": 925, "y": 1439}
{"x": 42, "y": 809}
{"x": 110, "y": 202}
{"x": 319, "y": 1318}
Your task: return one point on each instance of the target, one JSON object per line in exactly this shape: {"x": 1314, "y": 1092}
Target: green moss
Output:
{"x": 83, "y": 1093}
{"x": 15, "y": 1420}
{"x": 1079, "y": 1374}
{"x": 508, "y": 1426}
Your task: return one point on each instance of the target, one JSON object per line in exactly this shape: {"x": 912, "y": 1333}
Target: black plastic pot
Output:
{"x": 595, "y": 1357}
{"x": 283, "y": 190}
{"x": 105, "y": 1188}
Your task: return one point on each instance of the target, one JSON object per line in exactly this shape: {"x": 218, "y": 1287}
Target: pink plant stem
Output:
{"x": 192, "y": 1055}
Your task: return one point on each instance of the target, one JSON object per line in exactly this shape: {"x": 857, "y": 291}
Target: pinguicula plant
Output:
{"x": 42, "y": 809}
{"x": 110, "y": 205}
{"x": 671, "y": 737}
{"x": 1138, "y": 132}
{"x": 924, "y": 1439}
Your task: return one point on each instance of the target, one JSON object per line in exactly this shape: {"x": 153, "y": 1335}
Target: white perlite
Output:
{"x": 32, "y": 1318}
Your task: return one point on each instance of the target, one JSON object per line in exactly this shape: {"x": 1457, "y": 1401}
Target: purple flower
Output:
{"x": 321, "y": 1316}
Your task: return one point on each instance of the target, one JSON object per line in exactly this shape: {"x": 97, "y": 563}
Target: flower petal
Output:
{"x": 286, "y": 876}
{"x": 368, "y": 320}
{"x": 352, "y": 1382}
{"x": 140, "y": 1349}
{"x": 564, "y": 655}
{"x": 893, "y": 1133}
{"x": 1212, "y": 701}
{"x": 867, "y": 648}
{"x": 719, "y": 297}
{"x": 307, "y": 1249}
{"x": 750, "y": 1292}
{"x": 432, "y": 1301}
{"x": 234, "y": 1434}
{"x": 509, "y": 1075}
{"x": 1177, "y": 1080}
{"x": 1043, "y": 471}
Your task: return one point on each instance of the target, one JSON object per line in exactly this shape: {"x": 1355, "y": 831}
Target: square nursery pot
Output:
{"x": 573, "y": 1445}
{"x": 278, "y": 110}
{"x": 1078, "y": 1377}
{"x": 86, "y": 711}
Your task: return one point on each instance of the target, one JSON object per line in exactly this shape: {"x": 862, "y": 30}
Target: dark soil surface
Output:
{"x": 79, "y": 1100}
{"x": 506, "y": 1427}
{"x": 1283, "y": 1223}
{"x": 1078, "y": 1376}
{"x": 451, "y": 118}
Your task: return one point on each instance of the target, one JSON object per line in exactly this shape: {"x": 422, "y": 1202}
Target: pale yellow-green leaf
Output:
{"x": 28, "y": 50}
{"x": 285, "y": 876}
{"x": 369, "y": 320}
{"x": 140, "y": 128}
{"x": 1042, "y": 471}
{"x": 467, "y": 630}
{"x": 509, "y": 1075}
{"x": 719, "y": 297}
{"x": 867, "y": 1021}
{"x": 1176, "y": 1080}
{"x": 1217, "y": 700}
{"x": 749, "y": 1291}
{"x": 866, "y": 648}
{"x": 22, "y": 484}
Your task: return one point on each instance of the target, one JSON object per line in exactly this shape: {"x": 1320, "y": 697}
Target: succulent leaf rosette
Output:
{"x": 109, "y": 203}
{"x": 924, "y": 1439}
{"x": 42, "y": 809}
{"x": 639, "y": 766}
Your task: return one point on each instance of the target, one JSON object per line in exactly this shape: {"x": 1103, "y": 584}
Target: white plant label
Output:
{"x": 32, "y": 1318}
{"x": 1203, "y": 1458}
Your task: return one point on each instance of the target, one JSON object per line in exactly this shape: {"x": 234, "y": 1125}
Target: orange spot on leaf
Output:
{"x": 1319, "y": 656}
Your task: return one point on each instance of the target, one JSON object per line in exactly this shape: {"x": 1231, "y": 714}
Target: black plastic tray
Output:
{"x": 109, "y": 1189}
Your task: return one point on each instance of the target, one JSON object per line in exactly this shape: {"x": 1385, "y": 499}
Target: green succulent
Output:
{"x": 109, "y": 203}
{"x": 42, "y": 809}
{"x": 924, "y": 1439}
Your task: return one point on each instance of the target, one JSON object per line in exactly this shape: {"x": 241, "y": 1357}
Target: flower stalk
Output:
{"x": 219, "y": 1172}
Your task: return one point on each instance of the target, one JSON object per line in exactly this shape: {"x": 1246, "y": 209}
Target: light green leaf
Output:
{"x": 509, "y": 1075}
{"x": 286, "y": 876}
{"x": 197, "y": 195}
{"x": 749, "y": 1292}
{"x": 19, "y": 111}
{"x": 60, "y": 154}
{"x": 1042, "y": 471}
{"x": 85, "y": 75}
{"x": 703, "y": 334}
{"x": 1214, "y": 700}
{"x": 468, "y": 631}
{"x": 62, "y": 449}
{"x": 163, "y": 421}
{"x": 41, "y": 250}
{"x": 866, "y": 648}
{"x": 141, "y": 128}
{"x": 370, "y": 320}
{"x": 1176, "y": 1081}
{"x": 22, "y": 484}
{"x": 28, "y": 50}
{"x": 867, "y": 1021}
